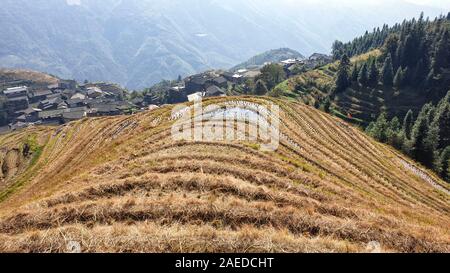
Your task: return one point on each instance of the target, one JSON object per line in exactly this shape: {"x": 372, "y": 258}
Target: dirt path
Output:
{"x": 423, "y": 175}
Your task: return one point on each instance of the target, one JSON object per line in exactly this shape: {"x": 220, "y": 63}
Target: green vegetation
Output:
{"x": 30, "y": 147}
{"x": 392, "y": 73}
{"x": 427, "y": 139}
{"x": 272, "y": 74}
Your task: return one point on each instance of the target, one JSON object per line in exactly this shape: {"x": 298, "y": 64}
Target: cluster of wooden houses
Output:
{"x": 296, "y": 66}
{"x": 216, "y": 83}
{"x": 27, "y": 103}
{"x": 61, "y": 102}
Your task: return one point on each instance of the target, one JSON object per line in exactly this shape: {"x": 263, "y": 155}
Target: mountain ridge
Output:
{"x": 271, "y": 56}
{"x": 139, "y": 43}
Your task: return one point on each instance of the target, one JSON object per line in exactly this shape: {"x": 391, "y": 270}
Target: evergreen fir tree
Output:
{"x": 343, "y": 78}
{"x": 337, "y": 50}
{"x": 363, "y": 76}
{"x": 420, "y": 149}
{"x": 399, "y": 77}
{"x": 373, "y": 73}
{"x": 442, "y": 54}
{"x": 261, "y": 88}
{"x": 379, "y": 129}
{"x": 441, "y": 123}
{"x": 408, "y": 124}
{"x": 390, "y": 47}
{"x": 420, "y": 72}
{"x": 393, "y": 132}
{"x": 355, "y": 72}
{"x": 388, "y": 72}
{"x": 444, "y": 164}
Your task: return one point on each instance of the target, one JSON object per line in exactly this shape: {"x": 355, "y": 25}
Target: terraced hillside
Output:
{"x": 123, "y": 185}
{"x": 363, "y": 104}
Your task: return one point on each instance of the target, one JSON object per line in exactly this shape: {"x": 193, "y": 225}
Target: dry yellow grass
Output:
{"x": 122, "y": 184}
{"x": 28, "y": 75}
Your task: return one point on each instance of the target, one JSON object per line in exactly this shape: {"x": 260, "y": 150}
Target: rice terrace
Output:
{"x": 225, "y": 136}
{"x": 123, "y": 184}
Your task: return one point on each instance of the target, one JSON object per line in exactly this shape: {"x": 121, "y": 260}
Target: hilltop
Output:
{"x": 9, "y": 76}
{"x": 271, "y": 56}
{"x": 123, "y": 184}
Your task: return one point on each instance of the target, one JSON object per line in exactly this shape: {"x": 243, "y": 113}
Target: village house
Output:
{"x": 195, "y": 83}
{"x": 220, "y": 82}
{"x": 39, "y": 95}
{"x": 195, "y": 96}
{"x": 78, "y": 96}
{"x": 140, "y": 102}
{"x": 104, "y": 110}
{"x": 14, "y": 92}
{"x": 51, "y": 117}
{"x": 67, "y": 93}
{"x": 62, "y": 105}
{"x": 73, "y": 114}
{"x": 51, "y": 103}
{"x": 215, "y": 91}
{"x": 28, "y": 115}
{"x": 94, "y": 92}
{"x": 14, "y": 104}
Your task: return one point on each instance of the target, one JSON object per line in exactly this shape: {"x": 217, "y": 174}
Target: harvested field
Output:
{"x": 122, "y": 184}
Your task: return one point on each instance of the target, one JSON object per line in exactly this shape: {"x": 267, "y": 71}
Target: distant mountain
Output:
{"x": 273, "y": 56}
{"x": 140, "y": 42}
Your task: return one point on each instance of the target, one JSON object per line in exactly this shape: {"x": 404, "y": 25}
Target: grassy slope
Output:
{"x": 122, "y": 184}
{"x": 27, "y": 75}
{"x": 364, "y": 104}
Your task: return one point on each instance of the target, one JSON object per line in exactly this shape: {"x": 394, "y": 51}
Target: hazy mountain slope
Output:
{"x": 122, "y": 184}
{"x": 138, "y": 43}
{"x": 274, "y": 56}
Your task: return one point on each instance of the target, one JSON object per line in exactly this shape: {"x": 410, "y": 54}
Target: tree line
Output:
{"x": 415, "y": 54}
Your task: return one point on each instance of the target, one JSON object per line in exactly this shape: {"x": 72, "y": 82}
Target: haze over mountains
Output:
{"x": 139, "y": 42}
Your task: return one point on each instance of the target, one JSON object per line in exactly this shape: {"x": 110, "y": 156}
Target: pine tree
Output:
{"x": 390, "y": 47}
{"x": 379, "y": 129}
{"x": 327, "y": 105}
{"x": 430, "y": 80}
{"x": 343, "y": 78}
{"x": 338, "y": 50}
{"x": 393, "y": 132}
{"x": 363, "y": 76}
{"x": 261, "y": 88}
{"x": 441, "y": 123}
{"x": 444, "y": 164}
{"x": 373, "y": 73}
{"x": 388, "y": 71}
{"x": 420, "y": 72}
{"x": 399, "y": 78}
{"x": 420, "y": 149}
{"x": 442, "y": 54}
{"x": 355, "y": 72}
{"x": 408, "y": 124}
{"x": 406, "y": 76}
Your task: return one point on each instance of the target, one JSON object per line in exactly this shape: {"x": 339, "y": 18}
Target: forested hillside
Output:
{"x": 397, "y": 76}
